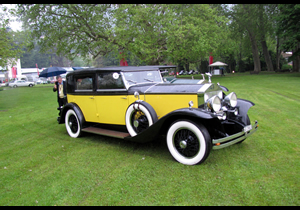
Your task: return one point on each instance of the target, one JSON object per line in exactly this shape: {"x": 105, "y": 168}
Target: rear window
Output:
{"x": 83, "y": 83}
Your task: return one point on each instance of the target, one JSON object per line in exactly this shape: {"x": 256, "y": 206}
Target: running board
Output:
{"x": 105, "y": 132}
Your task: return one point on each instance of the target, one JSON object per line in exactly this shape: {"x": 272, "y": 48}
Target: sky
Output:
{"x": 14, "y": 25}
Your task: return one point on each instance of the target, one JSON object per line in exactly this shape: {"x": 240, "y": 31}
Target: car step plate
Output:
{"x": 106, "y": 132}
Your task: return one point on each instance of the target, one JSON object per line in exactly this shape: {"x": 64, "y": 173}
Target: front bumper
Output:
{"x": 233, "y": 139}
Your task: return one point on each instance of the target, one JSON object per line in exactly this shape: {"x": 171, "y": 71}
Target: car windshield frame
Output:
{"x": 132, "y": 78}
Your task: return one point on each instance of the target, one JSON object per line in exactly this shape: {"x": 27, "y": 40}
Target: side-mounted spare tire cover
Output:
{"x": 139, "y": 116}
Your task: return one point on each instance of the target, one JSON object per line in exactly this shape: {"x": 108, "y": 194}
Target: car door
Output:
{"x": 111, "y": 98}
{"x": 21, "y": 83}
{"x": 84, "y": 96}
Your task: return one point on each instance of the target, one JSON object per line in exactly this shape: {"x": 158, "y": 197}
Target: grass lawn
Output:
{"x": 41, "y": 165}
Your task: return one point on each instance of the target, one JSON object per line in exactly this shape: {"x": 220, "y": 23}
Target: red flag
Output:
{"x": 14, "y": 72}
{"x": 211, "y": 58}
{"x": 123, "y": 62}
{"x": 37, "y": 69}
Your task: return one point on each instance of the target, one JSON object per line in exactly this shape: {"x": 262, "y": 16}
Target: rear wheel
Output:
{"x": 72, "y": 124}
{"x": 189, "y": 143}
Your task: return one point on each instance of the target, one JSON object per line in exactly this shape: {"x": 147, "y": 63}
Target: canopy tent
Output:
{"x": 217, "y": 71}
{"x": 218, "y": 63}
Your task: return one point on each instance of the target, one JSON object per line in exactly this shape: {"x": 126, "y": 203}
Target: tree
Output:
{"x": 288, "y": 28}
{"x": 151, "y": 32}
{"x": 243, "y": 15}
{"x": 9, "y": 49}
{"x": 263, "y": 20}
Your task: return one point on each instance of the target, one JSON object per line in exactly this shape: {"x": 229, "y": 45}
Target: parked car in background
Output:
{"x": 182, "y": 72}
{"x": 134, "y": 103}
{"x": 191, "y": 72}
{"x": 21, "y": 83}
{"x": 41, "y": 82}
{"x": 171, "y": 73}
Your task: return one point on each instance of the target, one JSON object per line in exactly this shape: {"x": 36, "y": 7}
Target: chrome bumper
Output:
{"x": 230, "y": 140}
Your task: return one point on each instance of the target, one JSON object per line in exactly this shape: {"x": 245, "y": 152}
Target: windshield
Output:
{"x": 137, "y": 77}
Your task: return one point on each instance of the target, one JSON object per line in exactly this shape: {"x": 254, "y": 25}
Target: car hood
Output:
{"x": 166, "y": 88}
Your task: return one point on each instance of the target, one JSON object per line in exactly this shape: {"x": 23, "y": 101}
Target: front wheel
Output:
{"x": 189, "y": 143}
{"x": 72, "y": 124}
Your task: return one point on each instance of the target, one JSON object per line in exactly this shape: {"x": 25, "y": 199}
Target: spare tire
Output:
{"x": 139, "y": 116}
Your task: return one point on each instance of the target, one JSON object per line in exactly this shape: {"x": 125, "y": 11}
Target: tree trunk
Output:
{"x": 267, "y": 55}
{"x": 278, "y": 54}
{"x": 187, "y": 66}
{"x": 296, "y": 61}
{"x": 255, "y": 54}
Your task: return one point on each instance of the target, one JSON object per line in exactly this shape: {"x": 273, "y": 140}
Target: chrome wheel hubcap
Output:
{"x": 183, "y": 144}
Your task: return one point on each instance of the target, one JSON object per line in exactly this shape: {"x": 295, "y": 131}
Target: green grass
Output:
{"x": 41, "y": 165}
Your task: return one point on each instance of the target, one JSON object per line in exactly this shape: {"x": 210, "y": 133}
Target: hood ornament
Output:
{"x": 209, "y": 76}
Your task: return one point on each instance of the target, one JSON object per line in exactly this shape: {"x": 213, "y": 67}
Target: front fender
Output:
{"x": 163, "y": 124}
{"x": 76, "y": 109}
{"x": 243, "y": 107}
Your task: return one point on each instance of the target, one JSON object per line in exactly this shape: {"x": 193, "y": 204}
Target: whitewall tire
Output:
{"x": 139, "y": 116}
{"x": 72, "y": 124}
{"x": 189, "y": 143}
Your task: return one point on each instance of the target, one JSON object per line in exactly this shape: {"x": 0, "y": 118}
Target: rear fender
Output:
{"x": 76, "y": 110}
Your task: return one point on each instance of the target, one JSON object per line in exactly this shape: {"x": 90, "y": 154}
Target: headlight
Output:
{"x": 231, "y": 99}
{"x": 214, "y": 103}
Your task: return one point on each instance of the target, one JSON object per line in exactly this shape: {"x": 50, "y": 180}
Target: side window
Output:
{"x": 110, "y": 80}
{"x": 83, "y": 83}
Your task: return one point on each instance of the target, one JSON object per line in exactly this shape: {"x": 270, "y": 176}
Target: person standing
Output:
{"x": 60, "y": 87}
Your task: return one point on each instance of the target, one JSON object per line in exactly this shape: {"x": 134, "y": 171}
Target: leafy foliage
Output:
{"x": 9, "y": 49}
{"x": 289, "y": 26}
{"x": 152, "y": 32}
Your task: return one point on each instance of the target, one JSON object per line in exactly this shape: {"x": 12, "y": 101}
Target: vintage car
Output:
{"x": 136, "y": 104}
{"x": 21, "y": 83}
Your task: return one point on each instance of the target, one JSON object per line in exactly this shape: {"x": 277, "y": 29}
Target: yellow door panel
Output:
{"x": 164, "y": 104}
{"x": 87, "y": 104}
{"x": 112, "y": 109}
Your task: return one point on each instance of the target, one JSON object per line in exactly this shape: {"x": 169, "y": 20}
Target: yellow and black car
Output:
{"x": 137, "y": 104}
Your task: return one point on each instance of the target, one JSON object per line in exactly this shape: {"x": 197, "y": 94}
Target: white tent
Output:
{"x": 218, "y": 63}
{"x": 217, "y": 71}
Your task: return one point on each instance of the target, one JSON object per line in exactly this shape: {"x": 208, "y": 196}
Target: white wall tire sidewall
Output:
{"x": 129, "y": 113}
{"x": 70, "y": 132}
{"x": 187, "y": 161}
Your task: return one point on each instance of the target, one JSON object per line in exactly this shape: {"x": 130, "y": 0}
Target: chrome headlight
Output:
{"x": 231, "y": 99}
{"x": 214, "y": 103}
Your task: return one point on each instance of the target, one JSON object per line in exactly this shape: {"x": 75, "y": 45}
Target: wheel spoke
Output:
{"x": 191, "y": 140}
{"x": 74, "y": 124}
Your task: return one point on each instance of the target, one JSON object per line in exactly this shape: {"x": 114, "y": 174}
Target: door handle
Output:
{"x": 91, "y": 97}
{"x": 123, "y": 97}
